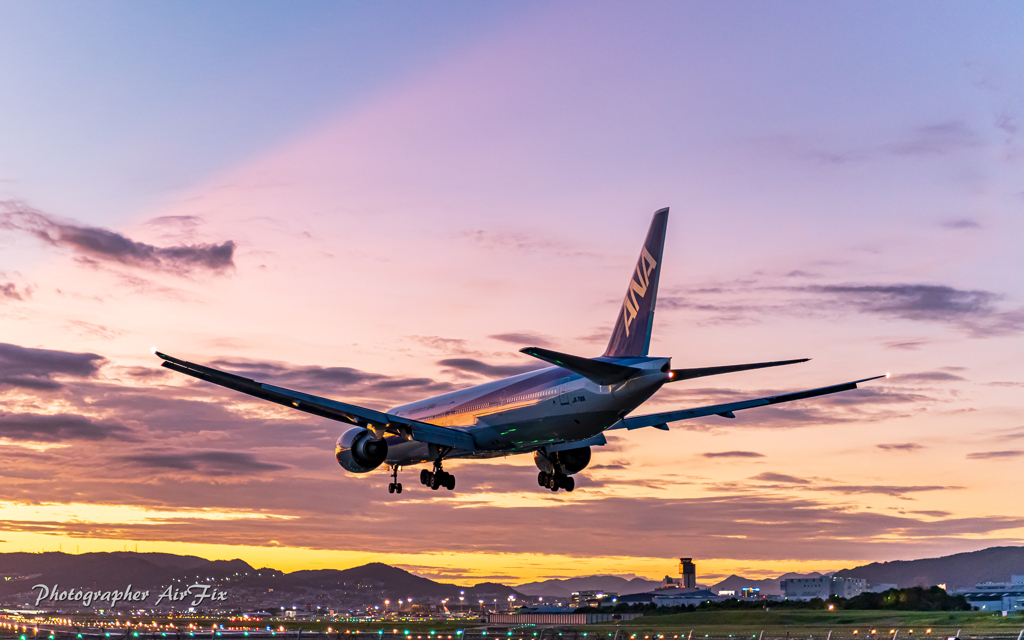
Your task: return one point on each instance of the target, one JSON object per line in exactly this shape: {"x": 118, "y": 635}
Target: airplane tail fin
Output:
{"x": 632, "y": 333}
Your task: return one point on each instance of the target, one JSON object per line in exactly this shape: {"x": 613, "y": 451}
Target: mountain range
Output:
{"x": 563, "y": 588}
{"x": 368, "y": 584}
{"x": 995, "y": 564}
{"x": 373, "y": 583}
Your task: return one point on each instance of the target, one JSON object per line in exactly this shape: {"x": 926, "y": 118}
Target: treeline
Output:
{"x": 912, "y": 599}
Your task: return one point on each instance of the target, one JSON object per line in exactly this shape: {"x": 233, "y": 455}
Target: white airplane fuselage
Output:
{"x": 528, "y": 411}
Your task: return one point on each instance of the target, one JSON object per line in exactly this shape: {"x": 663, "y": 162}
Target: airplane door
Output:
{"x": 565, "y": 397}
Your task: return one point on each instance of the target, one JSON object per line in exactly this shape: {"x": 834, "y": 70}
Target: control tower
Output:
{"x": 689, "y": 572}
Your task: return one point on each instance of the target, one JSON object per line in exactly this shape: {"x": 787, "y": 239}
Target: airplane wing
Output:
{"x": 661, "y": 420}
{"x": 377, "y": 421}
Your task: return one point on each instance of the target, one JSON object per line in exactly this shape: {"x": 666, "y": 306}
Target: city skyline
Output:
{"x": 381, "y": 203}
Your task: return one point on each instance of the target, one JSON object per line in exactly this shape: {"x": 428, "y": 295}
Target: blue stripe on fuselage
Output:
{"x": 535, "y": 408}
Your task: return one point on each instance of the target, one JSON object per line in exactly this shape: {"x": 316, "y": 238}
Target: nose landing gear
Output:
{"x": 556, "y": 481}
{"x": 395, "y": 486}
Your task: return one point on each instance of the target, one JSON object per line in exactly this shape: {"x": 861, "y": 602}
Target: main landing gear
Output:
{"x": 556, "y": 481}
{"x": 438, "y": 477}
{"x": 395, "y": 486}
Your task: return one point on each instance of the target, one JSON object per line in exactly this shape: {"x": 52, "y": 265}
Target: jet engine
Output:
{"x": 359, "y": 451}
{"x": 567, "y": 462}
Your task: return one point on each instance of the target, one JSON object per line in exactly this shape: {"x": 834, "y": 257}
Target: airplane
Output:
{"x": 557, "y": 413}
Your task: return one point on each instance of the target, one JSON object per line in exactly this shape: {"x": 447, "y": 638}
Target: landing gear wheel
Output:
{"x": 398, "y": 488}
{"x": 391, "y": 488}
{"x": 440, "y": 477}
{"x": 553, "y": 482}
{"x": 542, "y": 479}
{"x": 568, "y": 483}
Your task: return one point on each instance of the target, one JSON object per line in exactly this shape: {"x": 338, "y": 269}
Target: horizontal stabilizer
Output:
{"x": 598, "y": 371}
{"x": 659, "y": 420}
{"x": 689, "y": 374}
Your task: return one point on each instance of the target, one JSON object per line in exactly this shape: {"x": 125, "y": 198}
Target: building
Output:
{"x": 592, "y": 598}
{"x": 823, "y": 587}
{"x": 675, "y": 592}
{"x": 687, "y": 576}
{"x": 689, "y": 572}
{"x": 561, "y": 619}
{"x": 997, "y": 596}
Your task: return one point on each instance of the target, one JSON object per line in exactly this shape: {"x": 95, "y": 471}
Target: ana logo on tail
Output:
{"x": 644, "y": 267}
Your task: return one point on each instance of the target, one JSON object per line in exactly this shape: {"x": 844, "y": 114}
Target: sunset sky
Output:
{"x": 378, "y": 202}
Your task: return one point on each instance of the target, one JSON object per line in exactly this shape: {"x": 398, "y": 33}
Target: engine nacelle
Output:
{"x": 568, "y": 461}
{"x": 359, "y": 451}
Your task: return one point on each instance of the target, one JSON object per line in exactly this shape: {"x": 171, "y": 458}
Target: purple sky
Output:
{"x": 343, "y": 197}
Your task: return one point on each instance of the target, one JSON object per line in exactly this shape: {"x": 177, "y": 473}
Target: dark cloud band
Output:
{"x": 28, "y": 368}
{"x": 109, "y": 246}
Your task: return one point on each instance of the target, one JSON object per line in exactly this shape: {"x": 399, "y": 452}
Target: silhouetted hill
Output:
{"x": 106, "y": 570}
{"x": 373, "y": 582}
{"x": 564, "y": 588}
{"x": 995, "y": 564}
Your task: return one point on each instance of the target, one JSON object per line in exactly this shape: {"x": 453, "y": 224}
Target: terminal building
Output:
{"x": 823, "y": 587}
{"x": 997, "y": 596}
